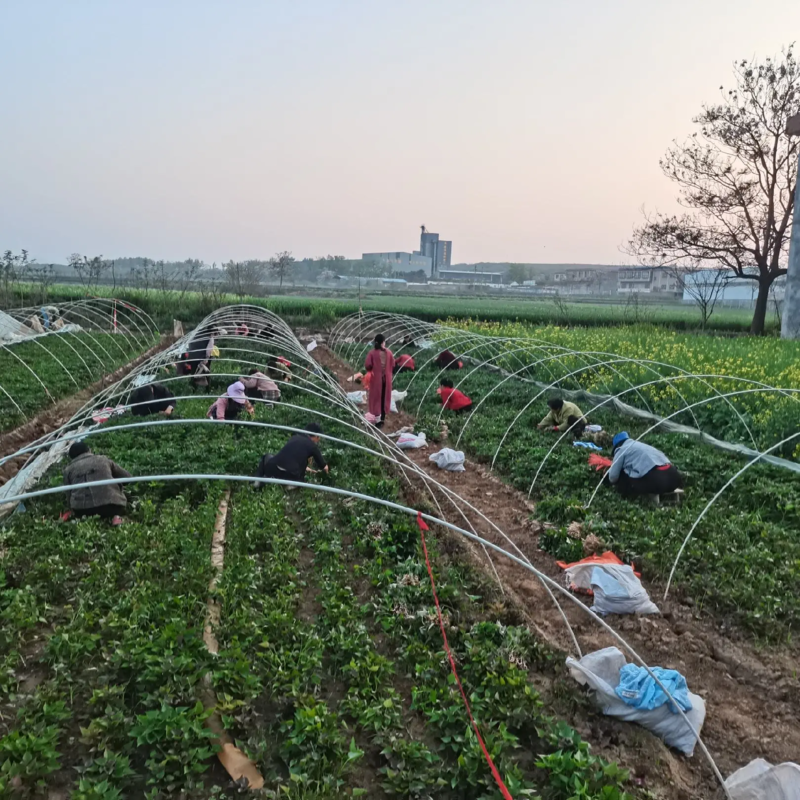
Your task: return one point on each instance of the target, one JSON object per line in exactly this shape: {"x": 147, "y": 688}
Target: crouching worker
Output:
{"x": 639, "y": 469}
{"x": 448, "y": 360}
{"x": 452, "y": 398}
{"x": 154, "y": 398}
{"x": 403, "y": 363}
{"x": 557, "y": 418}
{"x": 107, "y": 501}
{"x": 258, "y": 385}
{"x": 292, "y": 462}
{"x": 230, "y": 405}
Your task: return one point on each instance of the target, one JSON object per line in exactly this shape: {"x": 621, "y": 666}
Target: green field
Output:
{"x": 745, "y": 367}
{"x": 330, "y": 673}
{"x": 730, "y": 567}
{"x": 191, "y": 307}
{"x": 37, "y": 373}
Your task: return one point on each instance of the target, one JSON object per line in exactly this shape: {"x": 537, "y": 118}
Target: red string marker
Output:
{"x": 423, "y": 526}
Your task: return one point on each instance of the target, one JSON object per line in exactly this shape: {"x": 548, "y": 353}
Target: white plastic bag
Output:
{"x": 359, "y": 398}
{"x": 411, "y": 441}
{"x": 397, "y": 397}
{"x": 451, "y": 460}
{"x": 600, "y": 672}
{"x": 759, "y": 780}
{"x": 616, "y": 588}
{"x": 312, "y": 345}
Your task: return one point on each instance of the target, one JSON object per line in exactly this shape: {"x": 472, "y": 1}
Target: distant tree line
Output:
{"x": 251, "y": 277}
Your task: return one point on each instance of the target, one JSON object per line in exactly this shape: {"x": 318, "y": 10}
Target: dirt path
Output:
{"x": 752, "y": 696}
{"x": 54, "y": 417}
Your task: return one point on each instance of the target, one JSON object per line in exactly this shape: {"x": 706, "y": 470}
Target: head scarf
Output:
{"x": 619, "y": 439}
{"x": 236, "y": 392}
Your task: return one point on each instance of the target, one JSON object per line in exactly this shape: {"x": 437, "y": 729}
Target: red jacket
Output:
{"x": 453, "y": 399}
{"x": 405, "y": 361}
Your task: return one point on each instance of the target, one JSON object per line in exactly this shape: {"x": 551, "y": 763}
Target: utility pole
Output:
{"x": 790, "y": 324}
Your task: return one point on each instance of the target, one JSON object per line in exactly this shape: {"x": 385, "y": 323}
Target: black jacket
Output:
{"x": 156, "y": 398}
{"x": 292, "y": 460}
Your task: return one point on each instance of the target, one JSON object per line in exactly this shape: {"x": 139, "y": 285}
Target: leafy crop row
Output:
{"x": 770, "y": 416}
{"x": 744, "y": 559}
{"x": 330, "y": 675}
{"x": 39, "y": 372}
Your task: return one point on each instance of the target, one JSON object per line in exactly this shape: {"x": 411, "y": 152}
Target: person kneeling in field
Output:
{"x": 557, "y": 418}
{"x": 452, "y": 398}
{"x": 403, "y": 362}
{"x": 292, "y": 462}
{"x": 448, "y": 360}
{"x": 107, "y": 501}
{"x": 230, "y": 405}
{"x": 639, "y": 469}
{"x": 154, "y": 398}
{"x": 258, "y": 385}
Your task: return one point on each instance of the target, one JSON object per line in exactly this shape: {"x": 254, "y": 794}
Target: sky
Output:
{"x": 523, "y": 131}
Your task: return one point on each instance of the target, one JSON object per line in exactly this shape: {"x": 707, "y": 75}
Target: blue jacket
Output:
{"x": 636, "y": 459}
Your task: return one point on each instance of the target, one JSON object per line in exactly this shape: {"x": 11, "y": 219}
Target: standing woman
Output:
{"x": 380, "y": 363}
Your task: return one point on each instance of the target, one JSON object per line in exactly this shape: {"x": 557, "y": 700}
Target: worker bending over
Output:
{"x": 258, "y": 385}
{"x": 403, "y": 362}
{"x": 230, "y": 405}
{"x": 448, "y": 360}
{"x": 107, "y": 501}
{"x": 292, "y": 462}
{"x": 452, "y": 398}
{"x": 154, "y": 398}
{"x": 558, "y": 417}
{"x": 639, "y": 469}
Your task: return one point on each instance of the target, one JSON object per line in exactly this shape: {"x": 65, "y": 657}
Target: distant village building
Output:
{"x": 438, "y": 250}
{"x": 433, "y": 254}
{"x": 586, "y": 281}
{"x": 649, "y": 280}
{"x": 734, "y": 291}
{"x": 400, "y": 261}
{"x": 470, "y": 276}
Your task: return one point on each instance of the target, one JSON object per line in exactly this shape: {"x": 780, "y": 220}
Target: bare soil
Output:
{"x": 752, "y": 694}
{"x": 54, "y": 417}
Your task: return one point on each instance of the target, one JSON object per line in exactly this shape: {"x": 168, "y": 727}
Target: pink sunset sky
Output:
{"x": 523, "y": 131}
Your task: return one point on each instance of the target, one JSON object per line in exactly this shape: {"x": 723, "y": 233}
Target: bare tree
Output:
{"x": 244, "y": 277}
{"x": 562, "y": 308}
{"x": 211, "y": 284}
{"x": 144, "y": 275}
{"x": 282, "y": 264}
{"x": 90, "y": 271}
{"x": 636, "y": 311}
{"x": 42, "y": 276}
{"x": 704, "y": 285}
{"x": 735, "y": 179}
{"x": 12, "y": 267}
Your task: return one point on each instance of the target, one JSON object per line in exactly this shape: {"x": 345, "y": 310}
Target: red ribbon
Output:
{"x": 423, "y": 526}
